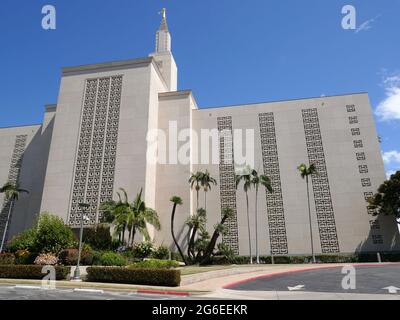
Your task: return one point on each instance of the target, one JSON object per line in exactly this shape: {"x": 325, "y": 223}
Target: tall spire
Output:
{"x": 163, "y": 38}
{"x": 163, "y": 55}
{"x": 164, "y": 25}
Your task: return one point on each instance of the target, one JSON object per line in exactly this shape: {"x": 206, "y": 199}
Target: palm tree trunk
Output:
{"x": 211, "y": 245}
{"x": 133, "y": 235}
{"x": 248, "y": 227}
{"x": 173, "y": 234}
{"x": 6, "y": 226}
{"x": 123, "y": 234}
{"x": 191, "y": 253}
{"x": 197, "y": 197}
{"x": 205, "y": 200}
{"x": 129, "y": 236}
{"x": 257, "y": 253}
{"x": 309, "y": 218}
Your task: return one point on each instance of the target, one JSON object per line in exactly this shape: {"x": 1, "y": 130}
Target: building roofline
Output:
{"x": 287, "y": 100}
{"x": 50, "y": 107}
{"x": 179, "y": 93}
{"x": 113, "y": 65}
{"x": 22, "y": 126}
{"x": 105, "y": 66}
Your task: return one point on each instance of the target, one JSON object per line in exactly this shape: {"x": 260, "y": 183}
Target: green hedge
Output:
{"x": 155, "y": 264}
{"x": 109, "y": 259}
{"x": 339, "y": 258}
{"x": 155, "y": 277}
{"x": 30, "y": 272}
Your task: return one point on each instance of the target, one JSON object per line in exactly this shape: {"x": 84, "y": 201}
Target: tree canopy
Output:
{"x": 387, "y": 200}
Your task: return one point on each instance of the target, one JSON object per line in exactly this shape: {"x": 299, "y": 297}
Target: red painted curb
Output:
{"x": 172, "y": 293}
{"x": 233, "y": 284}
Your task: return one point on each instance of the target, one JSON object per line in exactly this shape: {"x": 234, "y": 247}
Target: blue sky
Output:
{"x": 228, "y": 51}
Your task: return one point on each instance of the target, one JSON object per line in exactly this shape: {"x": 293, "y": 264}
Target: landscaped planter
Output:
{"x": 30, "y": 272}
{"x": 155, "y": 277}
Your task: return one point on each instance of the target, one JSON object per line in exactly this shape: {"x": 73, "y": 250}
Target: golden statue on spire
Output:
{"x": 164, "y": 13}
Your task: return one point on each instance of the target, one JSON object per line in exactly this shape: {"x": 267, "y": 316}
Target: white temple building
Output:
{"x": 96, "y": 139}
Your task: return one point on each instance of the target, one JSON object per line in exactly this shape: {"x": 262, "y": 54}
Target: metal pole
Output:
{"x": 257, "y": 254}
{"x": 77, "y": 273}
{"x": 248, "y": 228}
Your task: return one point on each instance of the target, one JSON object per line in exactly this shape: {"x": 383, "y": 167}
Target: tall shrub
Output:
{"x": 53, "y": 234}
{"x": 99, "y": 237}
{"x": 24, "y": 241}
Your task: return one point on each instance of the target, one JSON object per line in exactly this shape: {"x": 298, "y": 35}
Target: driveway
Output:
{"x": 384, "y": 279}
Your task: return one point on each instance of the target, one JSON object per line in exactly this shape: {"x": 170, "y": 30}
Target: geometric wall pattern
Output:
{"x": 320, "y": 183}
{"x": 95, "y": 161}
{"x": 227, "y": 184}
{"x": 275, "y": 211}
{"x": 377, "y": 237}
{"x": 13, "y": 178}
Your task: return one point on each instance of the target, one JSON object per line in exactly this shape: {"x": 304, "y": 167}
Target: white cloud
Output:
{"x": 389, "y": 108}
{"x": 391, "y": 157}
{"x": 389, "y": 174}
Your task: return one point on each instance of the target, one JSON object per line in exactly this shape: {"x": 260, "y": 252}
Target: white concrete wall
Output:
{"x": 352, "y": 220}
{"x": 130, "y": 171}
{"x": 48, "y": 169}
{"x": 172, "y": 179}
{"x": 32, "y": 172}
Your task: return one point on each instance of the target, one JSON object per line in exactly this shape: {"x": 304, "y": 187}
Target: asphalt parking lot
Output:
{"x": 383, "y": 279}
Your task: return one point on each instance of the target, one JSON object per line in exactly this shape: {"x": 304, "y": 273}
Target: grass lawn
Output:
{"x": 197, "y": 269}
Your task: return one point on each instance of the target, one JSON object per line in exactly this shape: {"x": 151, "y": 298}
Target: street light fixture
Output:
{"x": 77, "y": 273}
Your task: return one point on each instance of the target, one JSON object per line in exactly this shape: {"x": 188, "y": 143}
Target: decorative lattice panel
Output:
{"x": 361, "y": 156}
{"x": 351, "y": 108}
{"x": 353, "y": 120}
{"x": 13, "y": 177}
{"x": 275, "y": 210}
{"x": 95, "y": 162}
{"x": 227, "y": 183}
{"x": 320, "y": 183}
{"x": 362, "y": 168}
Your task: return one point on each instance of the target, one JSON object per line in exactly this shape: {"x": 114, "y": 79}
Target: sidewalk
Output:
{"x": 280, "y": 295}
{"x": 214, "y": 280}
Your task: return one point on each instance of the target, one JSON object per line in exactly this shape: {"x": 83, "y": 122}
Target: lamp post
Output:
{"x": 77, "y": 273}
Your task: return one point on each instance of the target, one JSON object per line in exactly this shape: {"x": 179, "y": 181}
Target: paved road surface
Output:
{"x": 34, "y": 293}
{"x": 369, "y": 280}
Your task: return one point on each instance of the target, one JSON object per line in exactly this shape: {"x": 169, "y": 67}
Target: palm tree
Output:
{"x": 305, "y": 172}
{"x": 132, "y": 216}
{"x": 256, "y": 181}
{"x": 12, "y": 193}
{"x": 245, "y": 176}
{"x": 139, "y": 217}
{"x": 112, "y": 214}
{"x": 195, "y": 224}
{"x": 206, "y": 182}
{"x": 122, "y": 212}
{"x": 176, "y": 201}
{"x": 195, "y": 181}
